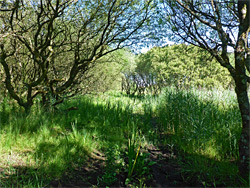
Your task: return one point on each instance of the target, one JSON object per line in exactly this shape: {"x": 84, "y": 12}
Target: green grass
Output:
{"x": 203, "y": 126}
{"x": 207, "y": 123}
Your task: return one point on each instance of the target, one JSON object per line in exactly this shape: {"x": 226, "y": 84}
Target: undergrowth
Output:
{"x": 202, "y": 126}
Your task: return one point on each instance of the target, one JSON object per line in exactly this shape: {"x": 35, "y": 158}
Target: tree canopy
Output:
{"x": 184, "y": 66}
{"x": 47, "y": 46}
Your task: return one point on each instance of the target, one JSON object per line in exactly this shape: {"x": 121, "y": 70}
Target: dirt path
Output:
{"x": 165, "y": 172}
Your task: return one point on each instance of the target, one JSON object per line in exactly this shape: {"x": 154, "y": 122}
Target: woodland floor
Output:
{"x": 165, "y": 172}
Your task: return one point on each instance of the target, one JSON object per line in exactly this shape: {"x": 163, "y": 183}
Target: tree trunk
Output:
{"x": 241, "y": 53}
{"x": 27, "y": 108}
{"x": 244, "y": 138}
{"x": 243, "y": 101}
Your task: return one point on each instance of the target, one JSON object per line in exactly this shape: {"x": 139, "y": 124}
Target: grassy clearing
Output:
{"x": 203, "y": 126}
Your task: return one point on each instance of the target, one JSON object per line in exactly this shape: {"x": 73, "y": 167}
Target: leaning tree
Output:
{"x": 46, "y": 47}
{"x": 217, "y": 26}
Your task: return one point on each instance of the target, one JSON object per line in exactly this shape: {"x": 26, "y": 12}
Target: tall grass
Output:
{"x": 42, "y": 146}
{"x": 52, "y": 143}
{"x": 40, "y": 143}
{"x": 206, "y": 126}
{"x": 205, "y": 122}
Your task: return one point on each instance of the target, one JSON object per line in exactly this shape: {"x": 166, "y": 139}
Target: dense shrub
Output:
{"x": 182, "y": 66}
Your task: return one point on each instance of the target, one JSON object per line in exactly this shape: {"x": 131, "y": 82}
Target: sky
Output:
{"x": 147, "y": 48}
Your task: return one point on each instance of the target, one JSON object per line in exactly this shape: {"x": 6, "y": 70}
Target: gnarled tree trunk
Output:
{"x": 241, "y": 79}
{"x": 242, "y": 96}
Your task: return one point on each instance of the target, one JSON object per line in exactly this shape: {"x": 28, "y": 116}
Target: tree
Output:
{"x": 46, "y": 47}
{"x": 217, "y": 26}
{"x": 106, "y": 73}
{"x": 184, "y": 66}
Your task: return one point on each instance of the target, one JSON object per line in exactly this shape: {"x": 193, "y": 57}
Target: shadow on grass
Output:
{"x": 182, "y": 121}
{"x": 15, "y": 120}
{"x": 108, "y": 123}
{"x": 204, "y": 135}
{"x": 68, "y": 164}
{"x": 62, "y": 150}
{"x": 6, "y": 110}
{"x": 19, "y": 176}
{"x": 131, "y": 96}
{"x": 198, "y": 124}
{"x": 56, "y": 160}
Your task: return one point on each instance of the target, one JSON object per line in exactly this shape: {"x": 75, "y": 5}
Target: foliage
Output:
{"x": 48, "y": 46}
{"x": 106, "y": 74}
{"x": 181, "y": 66}
{"x": 184, "y": 66}
{"x": 113, "y": 166}
{"x": 41, "y": 147}
{"x": 138, "y": 167}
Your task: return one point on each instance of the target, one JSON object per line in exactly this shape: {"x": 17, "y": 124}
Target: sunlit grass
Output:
{"x": 36, "y": 141}
{"x": 206, "y": 123}
{"x": 204, "y": 126}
